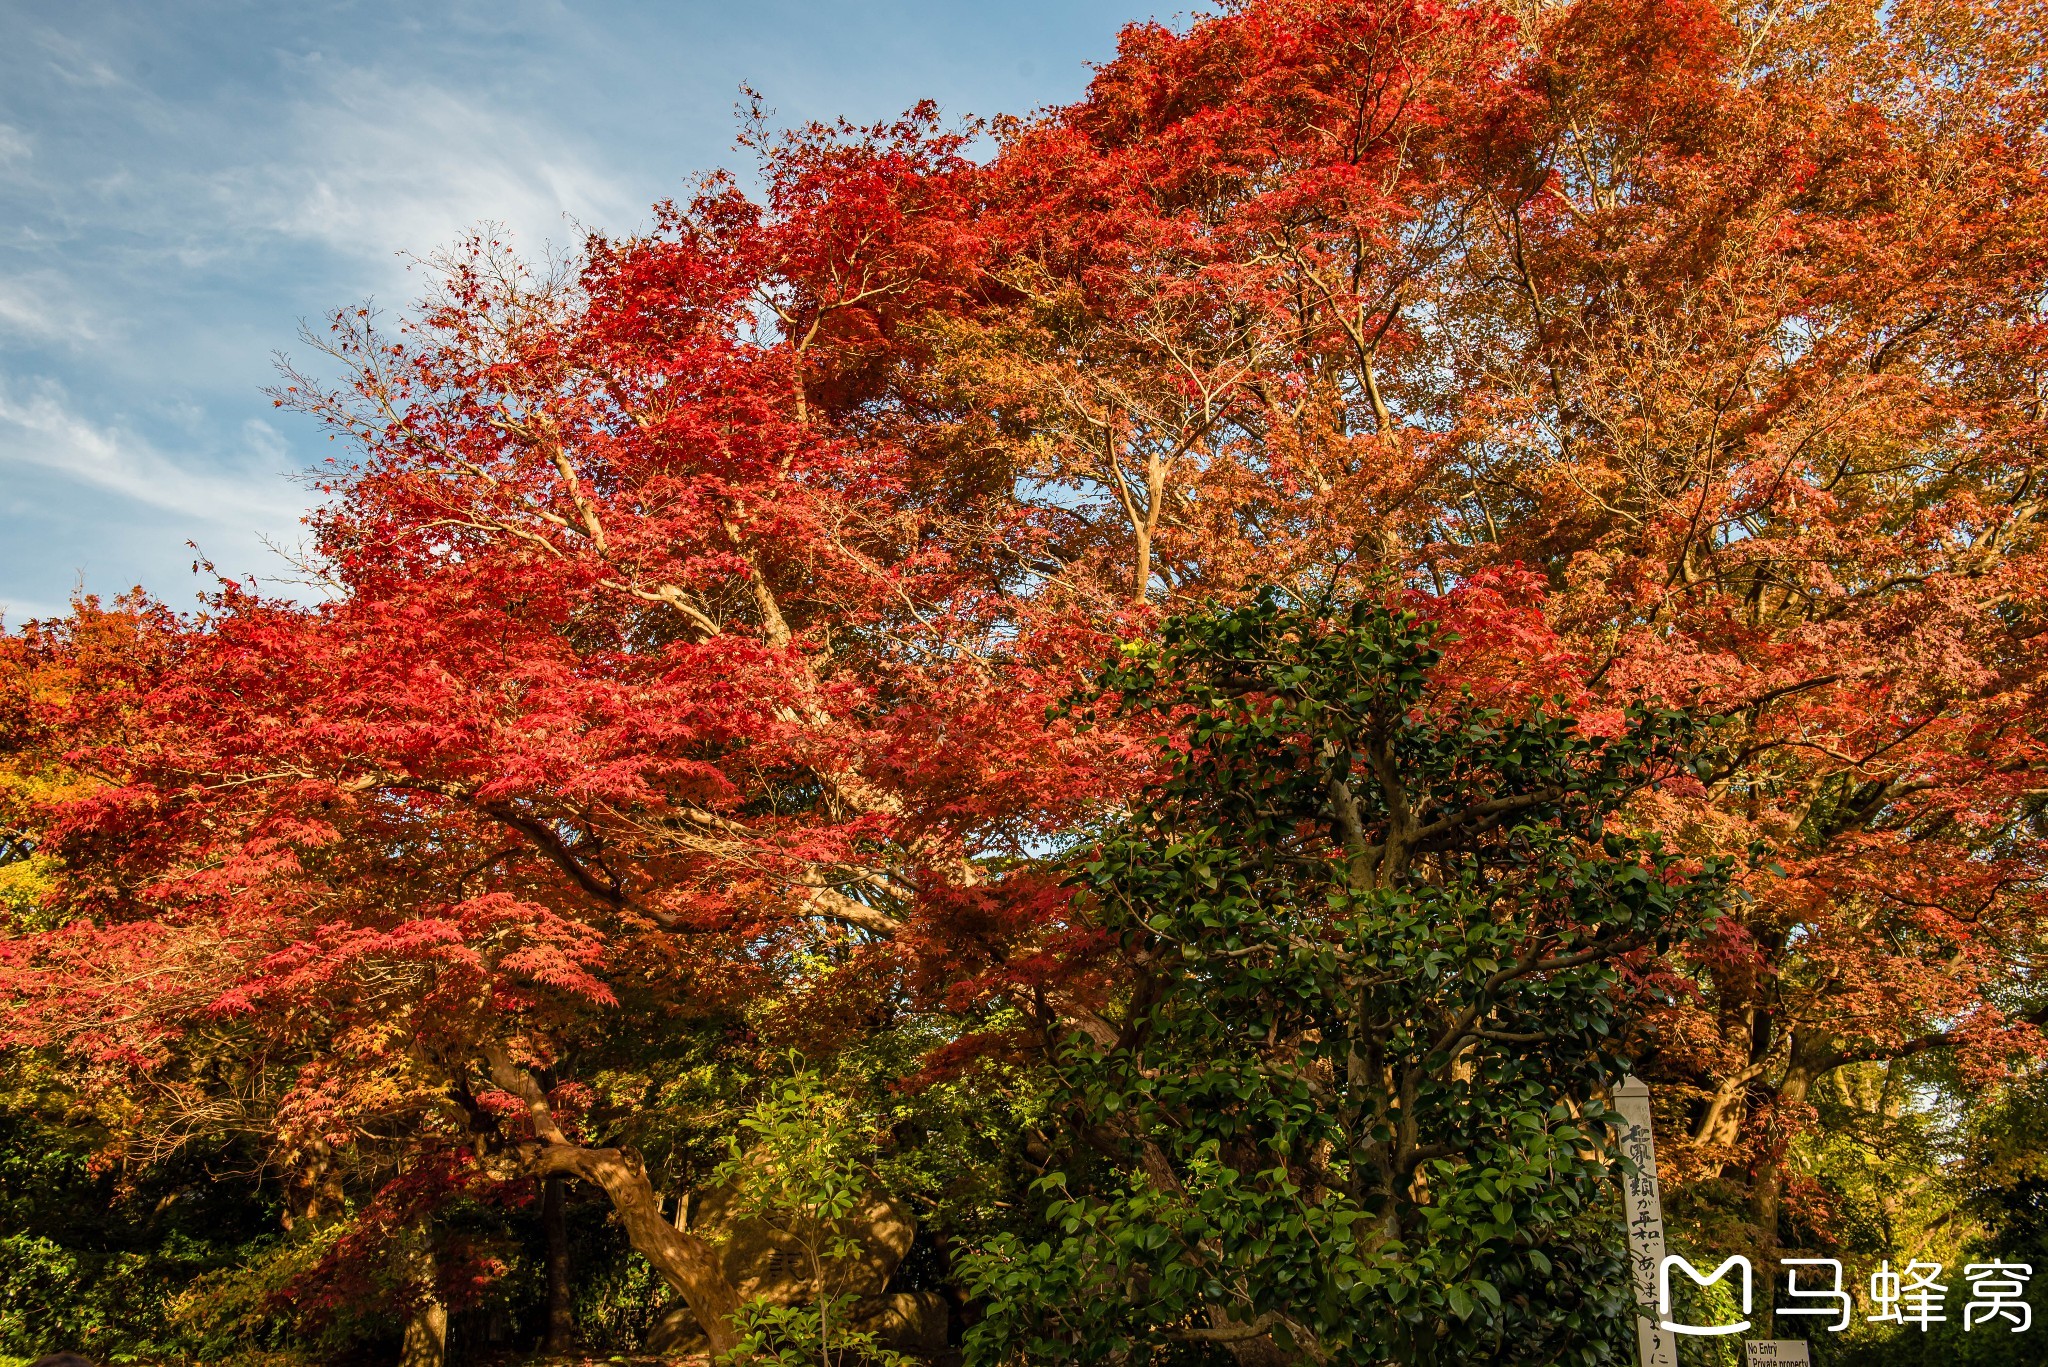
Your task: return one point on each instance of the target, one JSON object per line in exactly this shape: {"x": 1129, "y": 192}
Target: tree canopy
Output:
{"x": 708, "y": 663}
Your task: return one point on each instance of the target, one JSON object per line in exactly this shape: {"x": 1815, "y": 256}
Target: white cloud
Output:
{"x": 14, "y": 145}
{"x": 377, "y": 168}
{"x": 43, "y": 307}
{"x": 39, "y": 429}
{"x": 266, "y": 443}
{"x": 74, "y": 64}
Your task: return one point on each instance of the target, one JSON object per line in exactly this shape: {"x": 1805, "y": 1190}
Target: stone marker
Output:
{"x": 1644, "y": 1213}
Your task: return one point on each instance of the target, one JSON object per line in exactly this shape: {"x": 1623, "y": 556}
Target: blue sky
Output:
{"x": 181, "y": 183}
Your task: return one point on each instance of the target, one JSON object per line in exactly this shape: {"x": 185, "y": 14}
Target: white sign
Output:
{"x": 1771, "y": 1352}
{"x": 1645, "y": 1215}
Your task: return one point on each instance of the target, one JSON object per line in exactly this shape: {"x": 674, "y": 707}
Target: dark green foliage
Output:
{"x": 1376, "y": 939}
{"x": 91, "y": 1265}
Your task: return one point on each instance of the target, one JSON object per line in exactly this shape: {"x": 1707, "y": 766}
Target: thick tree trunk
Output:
{"x": 1263, "y": 1351}
{"x": 426, "y": 1337}
{"x": 687, "y": 1263}
{"x": 426, "y": 1331}
{"x": 561, "y": 1331}
{"x": 1810, "y": 1060}
{"x": 1767, "y": 1193}
{"x": 1770, "y": 1169}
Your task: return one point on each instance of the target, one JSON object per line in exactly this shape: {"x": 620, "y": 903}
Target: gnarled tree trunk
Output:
{"x": 689, "y": 1264}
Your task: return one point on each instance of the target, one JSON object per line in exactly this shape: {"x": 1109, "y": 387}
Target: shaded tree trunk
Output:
{"x": 1808, "y": 1063}
{"x": 561, "y": 1330}
{"x": 1811, "y": 1059}
{"x": 426, "y": 1330}
{"x": 426, "y": 1337}
{"x": 689, "y": 1264}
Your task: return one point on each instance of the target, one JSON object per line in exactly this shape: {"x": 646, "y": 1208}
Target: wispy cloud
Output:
{"x": 75, "y": 63}
{"x": 43, "y": 307}
{"x": 379, "y": 167}
{"x": 40, "y": 429}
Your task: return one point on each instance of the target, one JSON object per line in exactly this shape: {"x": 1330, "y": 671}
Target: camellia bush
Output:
{"x": 1382, "y": 948}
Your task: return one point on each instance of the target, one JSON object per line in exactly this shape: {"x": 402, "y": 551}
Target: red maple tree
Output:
{"x": 702, "y": 597}
{"x": 668, "y": 638}
{"x": 1724, "y": 322}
